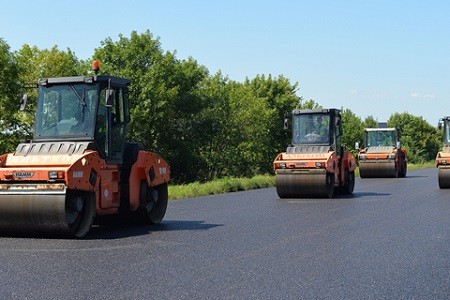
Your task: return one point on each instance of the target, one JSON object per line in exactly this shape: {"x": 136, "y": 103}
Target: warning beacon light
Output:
{"x": 95, "y": 66}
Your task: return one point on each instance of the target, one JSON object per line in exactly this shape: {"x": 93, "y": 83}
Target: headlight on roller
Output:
{"x": 56, "y": 175}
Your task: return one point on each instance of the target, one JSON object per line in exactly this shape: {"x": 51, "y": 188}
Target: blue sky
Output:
{"x": 374, "y": 57}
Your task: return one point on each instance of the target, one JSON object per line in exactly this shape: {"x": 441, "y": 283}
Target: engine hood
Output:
{"x": 45, "y": 154}
{"x": 380, "y": 149}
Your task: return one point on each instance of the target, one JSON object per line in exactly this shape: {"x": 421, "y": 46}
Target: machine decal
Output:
{"x": 77, "y": 174}
{"x": 23, "y": 175}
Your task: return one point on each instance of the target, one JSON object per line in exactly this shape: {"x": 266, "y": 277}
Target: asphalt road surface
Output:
{"x": 390, "y": 240}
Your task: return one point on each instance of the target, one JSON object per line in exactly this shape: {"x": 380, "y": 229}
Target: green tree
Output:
{"x": 217, "y": 151}
{"x": 10, "y": 86}
{"x": 248, "y": 130}
{"x": 421, "y": 140}
{"x": 38, "y": 63}
{"x": 308, "y": 104}
{"x": 352, "y": 128}
{"x": 165, "y": 103}
{"x": 279, "y": 96}
{"x": 370, "y": 122}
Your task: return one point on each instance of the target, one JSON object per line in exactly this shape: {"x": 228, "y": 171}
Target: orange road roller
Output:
{"x": 381, "y": 155}
{"x": 443, "y": 156}
{"x": 316, "y": 164}
{"x": 79, "y": 166}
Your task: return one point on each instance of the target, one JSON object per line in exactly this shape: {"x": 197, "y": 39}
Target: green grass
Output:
{"x": 227, "y": 185}
{"x": 430, "y": 164}
{"x": 220, "y": 186}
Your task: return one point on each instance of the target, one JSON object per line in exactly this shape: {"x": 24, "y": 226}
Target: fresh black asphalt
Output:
{"x": 390, "y": 240}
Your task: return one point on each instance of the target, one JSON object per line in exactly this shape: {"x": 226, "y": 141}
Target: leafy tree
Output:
{"x": 9, "y": 99}
{"x": 217, "y": 152}
{"x": 36, "y": 63}
{"x": 421, "y": 140}
{"x": 206, "y": 126}
{"x": 280, "y": 99}
{"x": 370, "y": 122}
{"x": 309, "y": 104}
{"x": 352, "y": 128}
{"x": 248, "y": 130}
{"x": 245, "y": 135}
{"x": 164, "y": 100}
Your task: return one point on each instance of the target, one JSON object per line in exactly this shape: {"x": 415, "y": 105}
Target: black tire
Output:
{"x": 349, "y": 185}
{"x": 330, "y": 184}
{"x": 404, "y": 169}
{"x": 154, "y": 202}
{"x": 130, "y": 155}
{"x": 80, "y": 212}
{"x": 397, "y": 172}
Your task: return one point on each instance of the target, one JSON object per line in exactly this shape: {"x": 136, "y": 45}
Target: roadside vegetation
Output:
{"x": 208, "y": 127}
{"x": 220, "y": 186}
{"x": 227, "y": 185}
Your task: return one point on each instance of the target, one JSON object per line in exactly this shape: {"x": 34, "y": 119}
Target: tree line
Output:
{"x": 206, "y": 126}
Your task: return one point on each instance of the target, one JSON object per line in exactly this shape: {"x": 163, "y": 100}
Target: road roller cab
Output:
{"x": 443, "y": 156}
{"x": 381, "y": 155}
{"x": 316, "y": 164}
{"x": 79, "y": 165}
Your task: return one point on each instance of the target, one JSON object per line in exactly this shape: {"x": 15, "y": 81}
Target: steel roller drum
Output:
{"x": 377, "y": 169}
{"x": 304, "y": 185}
{"x": 44, "y": 211}
{"x": 444, "y": 177}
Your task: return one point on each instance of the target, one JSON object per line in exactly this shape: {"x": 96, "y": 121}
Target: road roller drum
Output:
{"x": 54, "y": 211}
{"x": 377, "y": 169}
{"x": 305, "y": 185}
{"x": 444, "y": 177}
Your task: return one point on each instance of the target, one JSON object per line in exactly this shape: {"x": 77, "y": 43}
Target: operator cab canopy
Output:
{"x": 91, "y": 109}
{"x": 382, "y": 137}
{"x": 315, "y": 126}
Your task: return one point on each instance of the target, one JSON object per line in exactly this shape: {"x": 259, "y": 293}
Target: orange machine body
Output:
{"x": 86, "y": 171}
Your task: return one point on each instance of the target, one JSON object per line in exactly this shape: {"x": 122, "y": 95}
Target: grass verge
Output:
{"x": 220, "y": 186}
{"x": 227, "y": 185}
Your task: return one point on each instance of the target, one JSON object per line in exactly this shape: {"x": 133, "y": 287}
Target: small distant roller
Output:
{"x": 443, "y": 156}
{"x": 382, "y": 155}
{"x": 315, "y": 165}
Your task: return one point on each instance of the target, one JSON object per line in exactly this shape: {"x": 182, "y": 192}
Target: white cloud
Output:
{"x": 353, "y": 92}
{"x": 423, "y": 96}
